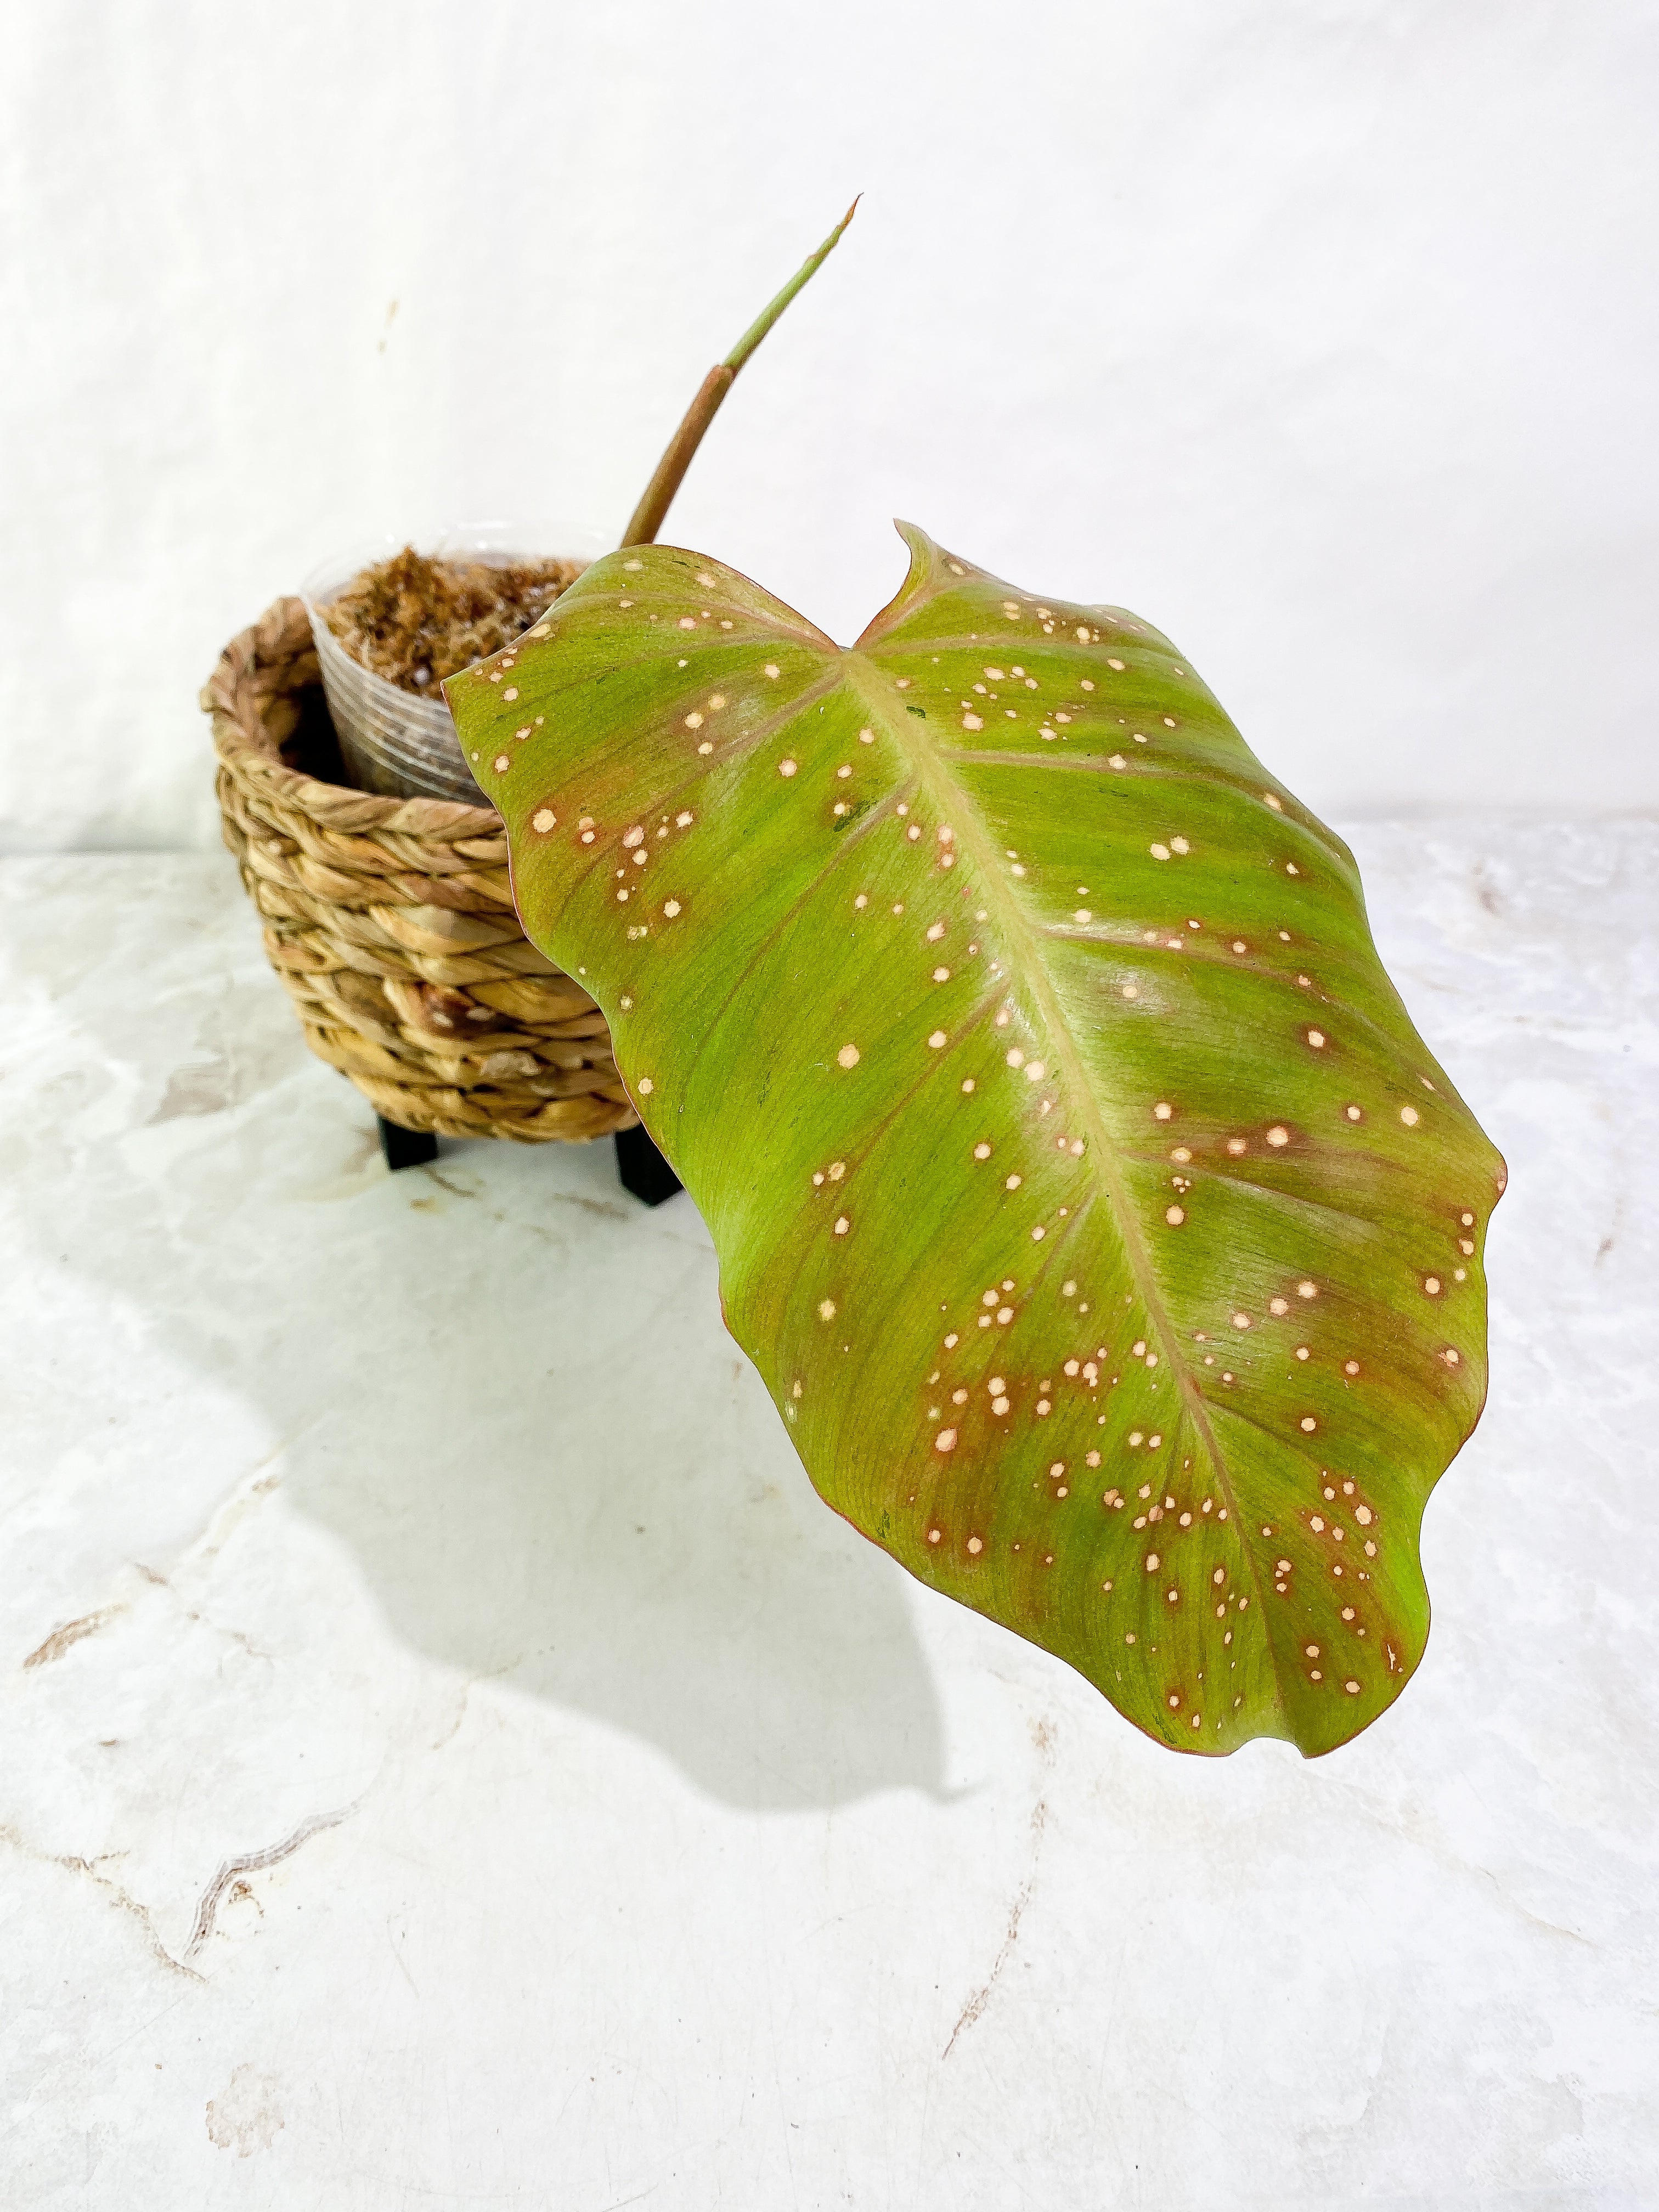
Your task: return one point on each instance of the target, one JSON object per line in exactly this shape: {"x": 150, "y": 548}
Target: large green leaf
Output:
{"x": 1101, "y": 1227}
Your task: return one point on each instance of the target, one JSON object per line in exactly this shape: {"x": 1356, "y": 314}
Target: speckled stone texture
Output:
{"x": 450, "y": 1758}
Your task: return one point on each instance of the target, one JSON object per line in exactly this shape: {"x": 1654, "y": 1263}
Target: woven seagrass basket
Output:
{"x": 391, "y": 922}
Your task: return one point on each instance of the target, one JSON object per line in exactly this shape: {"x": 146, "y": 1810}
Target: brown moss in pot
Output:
{"x": 414, "y": 620}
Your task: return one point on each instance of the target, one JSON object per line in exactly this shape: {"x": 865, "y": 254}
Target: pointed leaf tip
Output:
{"x": 1109, "y": 1239}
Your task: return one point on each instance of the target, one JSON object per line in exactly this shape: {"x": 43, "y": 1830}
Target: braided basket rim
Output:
{"x": 390, "y": 923}
{"x": 369, "y": 809}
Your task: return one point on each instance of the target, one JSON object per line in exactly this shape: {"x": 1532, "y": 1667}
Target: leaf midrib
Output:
{"x": 932, "y": 769}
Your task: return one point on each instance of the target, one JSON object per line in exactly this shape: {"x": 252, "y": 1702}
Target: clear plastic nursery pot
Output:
{"x": 398, "y": 742}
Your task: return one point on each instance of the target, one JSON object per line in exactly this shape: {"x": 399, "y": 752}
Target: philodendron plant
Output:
{"x": 1106, "y": 1235}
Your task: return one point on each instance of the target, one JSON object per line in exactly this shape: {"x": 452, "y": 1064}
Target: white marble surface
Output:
{"x": 451, "y": 1759}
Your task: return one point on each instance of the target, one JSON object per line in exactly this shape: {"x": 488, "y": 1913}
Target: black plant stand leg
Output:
{"x": 641, "y": 1169}
{"x": 405, "y": 1148}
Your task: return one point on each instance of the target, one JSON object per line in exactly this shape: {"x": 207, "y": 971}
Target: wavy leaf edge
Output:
{"x": 1224, "y": 1128}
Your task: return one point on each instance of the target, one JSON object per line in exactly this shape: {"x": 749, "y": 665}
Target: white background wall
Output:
{"x": 1323, "y": 335}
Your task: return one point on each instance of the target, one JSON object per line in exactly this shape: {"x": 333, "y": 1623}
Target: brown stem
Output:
{"x": 649, "y": 515}
{"x": 647, "y": 519}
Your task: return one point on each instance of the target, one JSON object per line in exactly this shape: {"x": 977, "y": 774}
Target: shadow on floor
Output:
{"x": 501, "y": 1383}
{"x": 583, "y": 1488}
